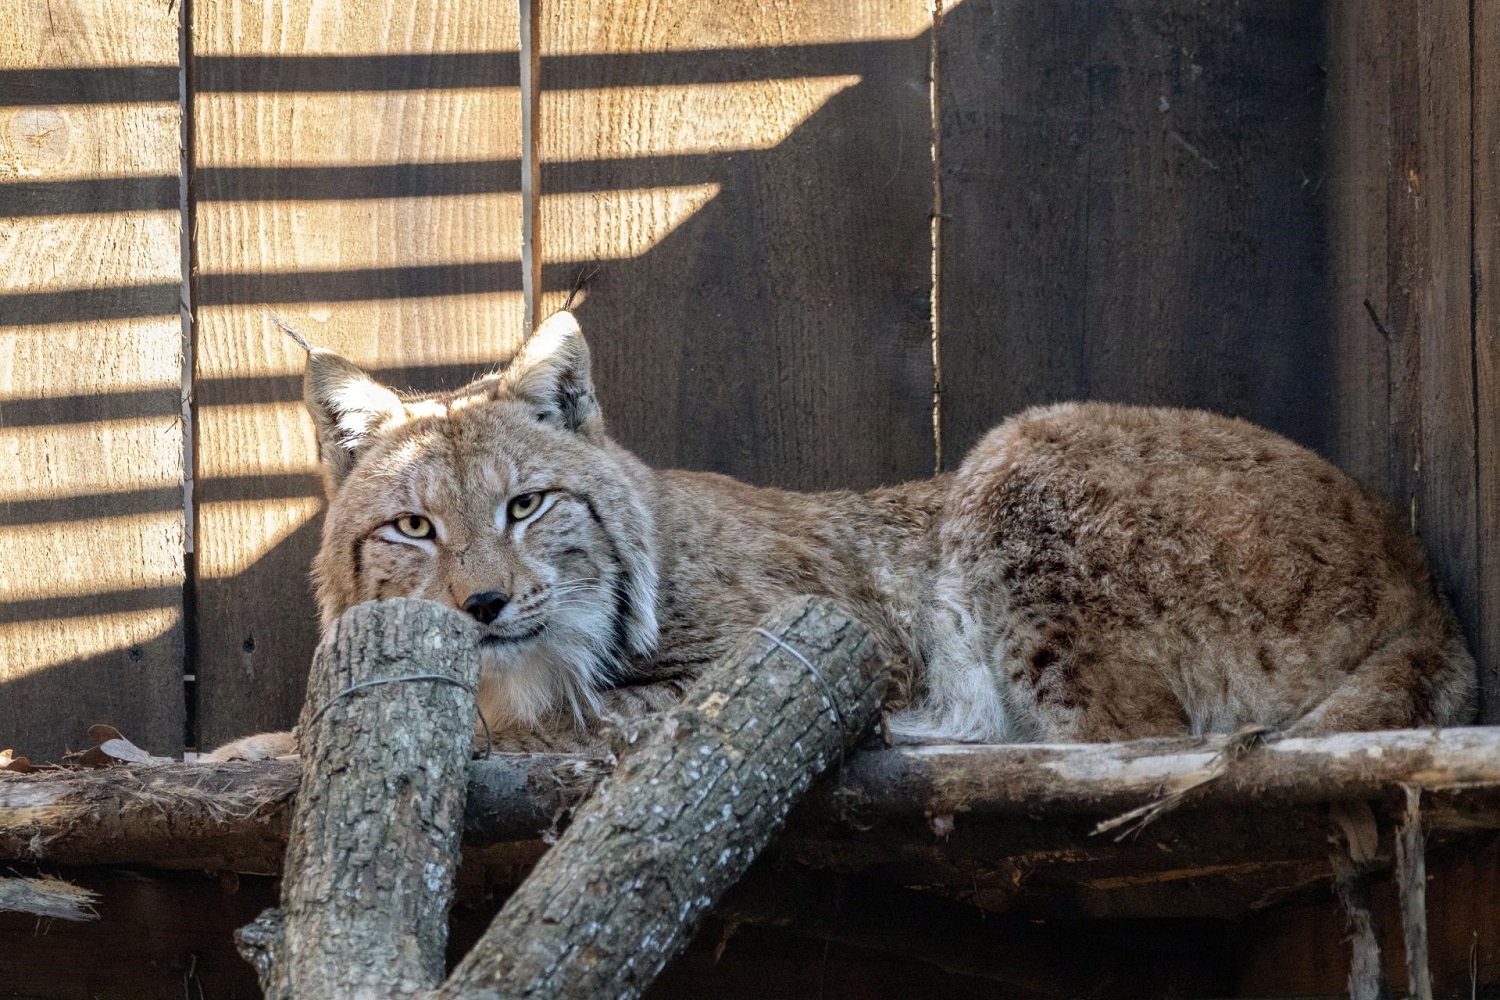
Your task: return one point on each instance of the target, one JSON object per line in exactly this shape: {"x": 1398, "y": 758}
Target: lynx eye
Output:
{"x": 414, "y": 526}
{"x": 523, "y": 506}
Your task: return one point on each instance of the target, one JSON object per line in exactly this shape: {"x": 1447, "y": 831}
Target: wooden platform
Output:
{"x": 992, "y": 852}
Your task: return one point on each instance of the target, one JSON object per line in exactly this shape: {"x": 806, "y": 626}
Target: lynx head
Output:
{"x": 504, "y": 499}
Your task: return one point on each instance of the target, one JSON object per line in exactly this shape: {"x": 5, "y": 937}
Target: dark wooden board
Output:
{"x": 1301, "y": 949}
{"x": 1486, "y": 105}
{"x": 1132, "y": 210}
{"x": 1439, "y": 187}
{"x": 1358, "y": 123}
{"x": 356, "y": 168}
{"x": 166, "y": 936}
{"x": 91, "y": 525}
{"x": 1409, "y": 201}
{"x": 755, "y": 179}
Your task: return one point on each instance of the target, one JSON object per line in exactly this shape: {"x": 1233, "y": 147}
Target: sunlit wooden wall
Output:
{"x": 1280, "y": 210}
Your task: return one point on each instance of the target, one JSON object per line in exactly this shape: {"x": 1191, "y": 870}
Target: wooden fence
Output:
{"x": 1282, "y": 210}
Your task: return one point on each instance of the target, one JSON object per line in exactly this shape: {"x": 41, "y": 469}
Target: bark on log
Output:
{"x": 47, "y": 897}
{"x": 1106, "y": 778}
{"x": 684, "y": 815}
{"x": 385, "y": 736}
{"x": 232, "y": 816}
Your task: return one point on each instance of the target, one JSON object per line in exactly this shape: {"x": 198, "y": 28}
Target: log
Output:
{"x": 1097, "y": 779}
{"x": 232, "y": 816}
{"x": 48, "y": 897}
{"x": 385, "y": 737}
{"x": 684, "y": 815}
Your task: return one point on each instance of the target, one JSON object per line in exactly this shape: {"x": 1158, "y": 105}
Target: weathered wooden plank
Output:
{"x": 1403, "y": 263}
{"x": 1486, "y": 79}
{"x": 91, "y": 539}
{"x": 755, "y": 179}
{"x": 232, "y": 814}
{"x": 1358, "y": 126}
{"x": 166, "y": 937}
{"x": 1132, "y": 204}
{"x": 1300, "y": 949}
{"x": 355, "y": 168}
{"x": 1014, "y": 153}
{"x": 1439, "y": 185}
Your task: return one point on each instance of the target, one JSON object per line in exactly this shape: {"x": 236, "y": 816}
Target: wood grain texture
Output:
{"x": 1300, "y": 950}
{"x": 755, "y": 178}
{"x": 91, "y": 464}
{"x": 1440, "y": 188}
{"x": 373, "y": 844}
{"x": 684, "y": 815}
{"x": 1132, "y": 210}
{"x": 1358, "y": 107}
{"x": 1407, "y": 210}
{"x": 355, "y": 168}
{"x": 167, "y": 936}
{"x": 1486, "y": 103}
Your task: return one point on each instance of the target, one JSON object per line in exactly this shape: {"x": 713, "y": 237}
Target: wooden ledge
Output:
{"x": 999, "y": 826}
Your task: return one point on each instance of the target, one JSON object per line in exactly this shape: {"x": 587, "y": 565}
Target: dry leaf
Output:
{"x": 112, "y": 749}
{"x": 10, "y": 762}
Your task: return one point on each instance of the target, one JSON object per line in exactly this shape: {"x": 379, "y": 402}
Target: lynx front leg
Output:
{"x": 262, "y": 746}
{"x": 621, "y": 710}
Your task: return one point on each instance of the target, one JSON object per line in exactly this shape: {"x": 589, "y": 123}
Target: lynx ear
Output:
{"x": 551, "y": 372}
{"x": 347, "y": 407}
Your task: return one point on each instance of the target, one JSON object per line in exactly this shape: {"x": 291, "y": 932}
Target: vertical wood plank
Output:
{"x": 1486, "y": 105}
{"x": 1359, "y": 104}
{"x": 1133, "y": 210}
{"x": 1439, "y": 185}
{"x": 91, "y": 539}
{"x": 1406, "y": 211}
{"x": 1015, "y": 150}
{"x": 755, "y": 180}
{"x": 356, "y": 169}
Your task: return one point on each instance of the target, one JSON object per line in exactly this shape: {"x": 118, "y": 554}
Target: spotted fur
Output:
{"x": 1091, "y": 572}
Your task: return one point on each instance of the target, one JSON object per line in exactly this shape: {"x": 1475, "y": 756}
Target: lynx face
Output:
{"x": 503, "y": 500}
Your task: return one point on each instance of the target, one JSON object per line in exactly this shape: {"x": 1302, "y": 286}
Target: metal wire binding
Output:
{"x": 489, "y": 743}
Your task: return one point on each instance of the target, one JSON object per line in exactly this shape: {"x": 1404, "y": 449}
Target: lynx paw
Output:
{"x": 262, "y": 746}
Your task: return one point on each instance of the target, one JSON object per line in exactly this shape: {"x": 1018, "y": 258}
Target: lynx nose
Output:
{"x": 486, "y": 607}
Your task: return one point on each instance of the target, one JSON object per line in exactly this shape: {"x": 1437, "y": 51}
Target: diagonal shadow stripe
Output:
{"x": 130, "y": 404}
{"x": 91, "y": 196}
{"x": 353, "y": 183}
{"x": 414, "y": 281}
{"x": 281, "y": 486}
{"x": 157, "y": 500}
{"x": 87, "y": 506}
{"x": 134, "y": 404}
{"x": 355, "y": 285}
{"x": 248, "y": 390}
{"x": 436, "y": 71}
{"x": 77, "y": 304}
{"x": 88, "y": 605}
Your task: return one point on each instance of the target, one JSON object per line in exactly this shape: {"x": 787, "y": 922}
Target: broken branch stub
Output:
{"x": 385, "y": 737}
{"x": 685, "y": 813}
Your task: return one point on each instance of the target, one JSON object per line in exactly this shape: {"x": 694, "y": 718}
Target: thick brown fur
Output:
{"x": 1091, "y": 572}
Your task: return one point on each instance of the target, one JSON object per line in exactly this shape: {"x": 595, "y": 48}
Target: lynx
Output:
{"x": 1091, "y": 572}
